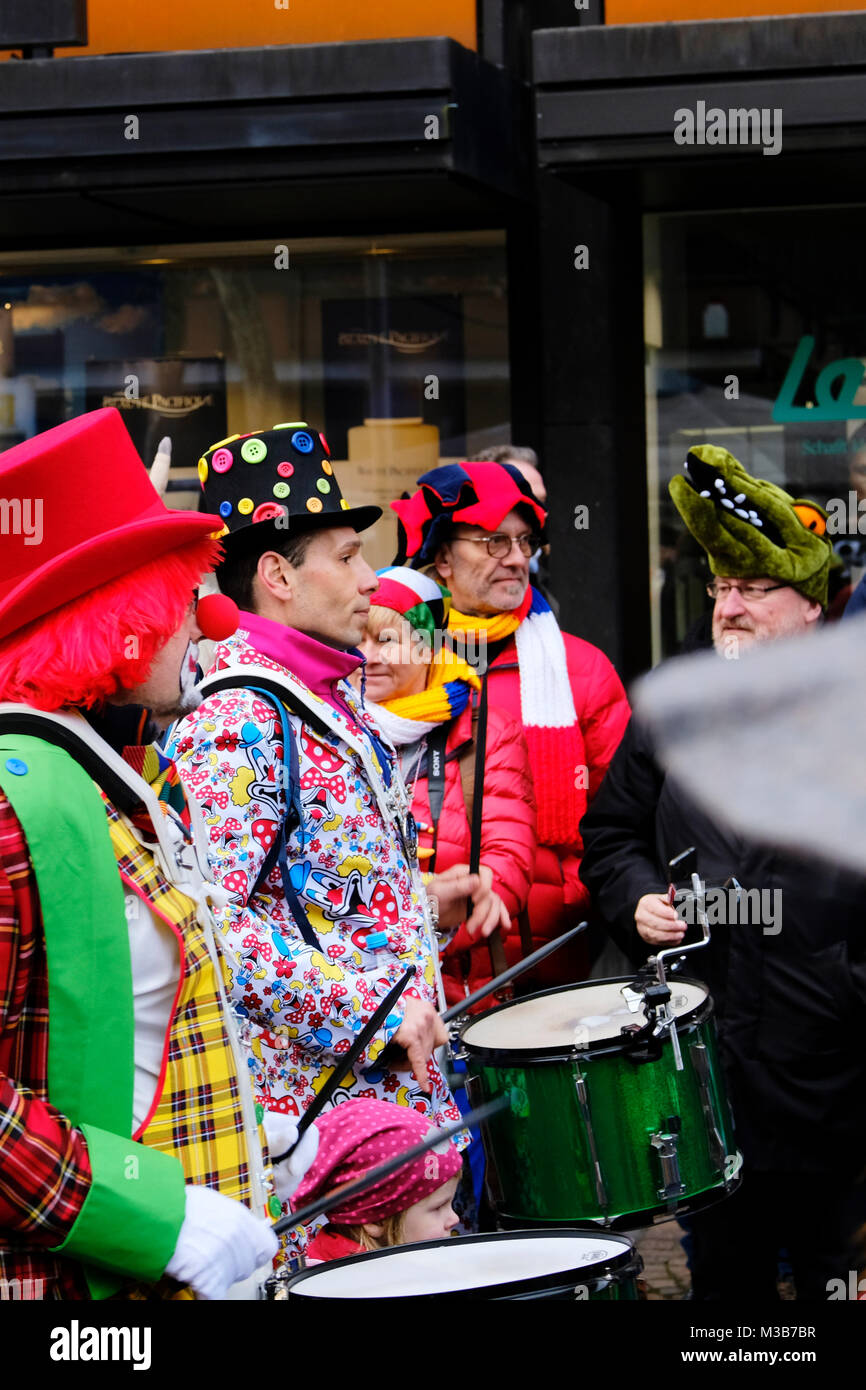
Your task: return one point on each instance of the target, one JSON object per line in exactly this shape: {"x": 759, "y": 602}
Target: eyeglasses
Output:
{"x": 750, "y": 593}
{"x": 499, "y": 546}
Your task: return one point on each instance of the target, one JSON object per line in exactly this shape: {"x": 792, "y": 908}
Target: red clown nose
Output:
{"x": 217, "y": 616}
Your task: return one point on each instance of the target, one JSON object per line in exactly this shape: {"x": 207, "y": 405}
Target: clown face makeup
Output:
{"x": 170, "y": 691}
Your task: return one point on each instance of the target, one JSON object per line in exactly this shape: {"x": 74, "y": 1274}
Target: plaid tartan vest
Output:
{"x": 198, "y": 1115}
{"x": 202, "y": 1114}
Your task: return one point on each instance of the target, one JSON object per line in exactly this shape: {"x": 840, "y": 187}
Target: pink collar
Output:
{"x": 313, "y": 662}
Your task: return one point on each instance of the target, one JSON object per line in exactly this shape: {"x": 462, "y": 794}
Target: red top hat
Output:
{"x": 78, "y": 510}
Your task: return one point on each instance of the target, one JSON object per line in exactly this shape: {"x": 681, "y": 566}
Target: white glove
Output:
{"x": 281, "y": 1133}
{"x": 219, "y": 1243}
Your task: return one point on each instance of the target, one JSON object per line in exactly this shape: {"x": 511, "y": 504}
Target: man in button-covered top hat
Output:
{"x": 310, "y": 830}
{"x": 129, "y": 1145}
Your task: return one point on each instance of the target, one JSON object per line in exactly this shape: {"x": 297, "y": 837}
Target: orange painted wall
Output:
{"x": 136, "y": 26}
{"x": 657, "y": 11}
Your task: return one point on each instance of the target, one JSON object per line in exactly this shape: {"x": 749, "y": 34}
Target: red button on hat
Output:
{"x": 285, "y": 470}
{"x": 267, "y": 511}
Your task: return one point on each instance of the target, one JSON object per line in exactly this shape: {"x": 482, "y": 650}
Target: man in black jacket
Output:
{"x": 788, "y": 985}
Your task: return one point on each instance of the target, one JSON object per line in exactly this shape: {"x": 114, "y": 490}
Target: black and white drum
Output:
{"x": 581, "y": 1265}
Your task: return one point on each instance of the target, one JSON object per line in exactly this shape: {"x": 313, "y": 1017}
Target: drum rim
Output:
{"x": 646, "y": 1218}
{"x": 686, "y": 1023}
{"x": 614, "y": 1264}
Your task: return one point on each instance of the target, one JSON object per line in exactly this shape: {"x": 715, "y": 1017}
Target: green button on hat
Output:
{"x": 251, "y": 469}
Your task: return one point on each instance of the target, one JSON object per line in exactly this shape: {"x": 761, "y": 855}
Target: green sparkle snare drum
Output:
{"x": 605, "y": 1127}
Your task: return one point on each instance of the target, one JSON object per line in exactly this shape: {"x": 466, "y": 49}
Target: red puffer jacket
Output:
{"x": 507, "y": 836}
{"x": 558, "y": 898}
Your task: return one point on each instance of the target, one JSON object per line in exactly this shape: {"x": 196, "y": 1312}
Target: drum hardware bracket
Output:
{"x": 647, "y": 1041}
{"x": 665, "y": 1144}
{"x": 645, "y": 1045}
{"x": 586, "y": 1115}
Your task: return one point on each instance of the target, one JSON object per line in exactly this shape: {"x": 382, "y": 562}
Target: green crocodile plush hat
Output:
{"x": 751, "y": 528}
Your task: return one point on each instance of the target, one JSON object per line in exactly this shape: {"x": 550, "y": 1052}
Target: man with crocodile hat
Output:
{"x": 787, "y": 987}
{"x": 310, "y": 829}
{"x": 129, "y": 1143}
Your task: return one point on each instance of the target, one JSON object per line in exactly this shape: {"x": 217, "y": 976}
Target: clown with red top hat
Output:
{"x": 119, "y": 1049}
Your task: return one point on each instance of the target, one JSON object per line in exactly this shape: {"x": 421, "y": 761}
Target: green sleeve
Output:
{"x": 134, "y": 1210}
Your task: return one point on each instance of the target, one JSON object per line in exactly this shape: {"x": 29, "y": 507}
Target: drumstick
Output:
{"x": 346, "y": 1063}
{"x": 526, "y": 964}
{"x": 384, "y": 1170}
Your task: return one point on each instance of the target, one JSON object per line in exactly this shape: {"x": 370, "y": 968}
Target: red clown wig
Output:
{"x": 88, "y": 651}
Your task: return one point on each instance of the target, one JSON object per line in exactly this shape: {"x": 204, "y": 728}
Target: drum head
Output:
{"x": 485, "y": 1266}
{"x": 582, "y": 1016}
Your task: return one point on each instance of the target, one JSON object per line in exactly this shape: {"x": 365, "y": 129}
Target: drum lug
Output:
{"x": 276, "y": 1286}
{"x": 586, "y": 1115}
{"x": 455, "y": 1044}
{"x": 665, "y": 1144}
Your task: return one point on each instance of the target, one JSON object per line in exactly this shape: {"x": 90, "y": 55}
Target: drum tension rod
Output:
{"x": 586, "y": 1115}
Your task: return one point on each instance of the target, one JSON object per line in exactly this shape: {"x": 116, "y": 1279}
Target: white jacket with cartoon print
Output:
{"x": 302, "y": 1005}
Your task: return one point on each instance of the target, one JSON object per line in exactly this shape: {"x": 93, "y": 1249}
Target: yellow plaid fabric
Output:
{"x": 198, "y": 1117}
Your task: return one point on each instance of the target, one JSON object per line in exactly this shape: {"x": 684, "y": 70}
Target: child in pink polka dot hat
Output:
{"x": 413, "y": 1204}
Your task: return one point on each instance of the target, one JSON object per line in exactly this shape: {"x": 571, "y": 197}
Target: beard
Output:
{"x": 188, "y": 695}
{"x": 744, "y": 634}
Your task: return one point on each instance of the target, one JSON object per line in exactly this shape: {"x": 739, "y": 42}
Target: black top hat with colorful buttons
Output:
{"x": 281, "y": 479}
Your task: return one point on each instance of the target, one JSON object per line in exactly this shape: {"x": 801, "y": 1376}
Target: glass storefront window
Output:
{"x": 396, "y": 347}
{"x": 755, "y": 341}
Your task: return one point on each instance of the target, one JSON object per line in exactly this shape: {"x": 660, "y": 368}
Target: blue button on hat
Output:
{"x": 16, "y": 766}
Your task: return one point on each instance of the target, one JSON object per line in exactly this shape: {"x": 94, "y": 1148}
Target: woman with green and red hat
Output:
{"x": 424, "y": 698}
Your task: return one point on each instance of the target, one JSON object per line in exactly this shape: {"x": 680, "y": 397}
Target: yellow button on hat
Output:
{"x": 326, "y": 467}
{"x": 344, "y": 504}
{"x": 314, "y": 504}
{"x": 202, "y": 471}
{"x": 245, "y": 505}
